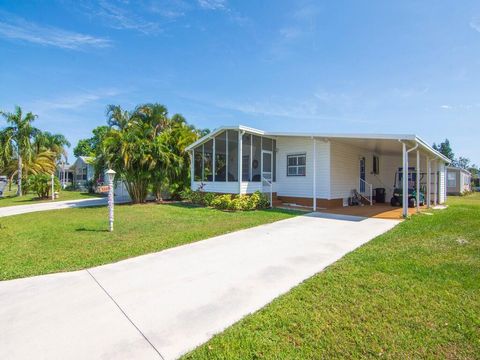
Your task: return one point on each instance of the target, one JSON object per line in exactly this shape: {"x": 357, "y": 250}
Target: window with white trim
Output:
{"x": 451, "y": 179}
{"x": 296, "y": 164}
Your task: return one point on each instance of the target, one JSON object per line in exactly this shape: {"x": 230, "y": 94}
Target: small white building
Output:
{"x": 83, "y": 171}
{"x": 316, "y": 170}
{"x": 459, "y": 181}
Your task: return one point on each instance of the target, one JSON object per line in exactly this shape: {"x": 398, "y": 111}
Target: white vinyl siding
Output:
{"x": 345, "y": 175}
{"x": 302, "y": 186}
{"x": 230, "y": 187}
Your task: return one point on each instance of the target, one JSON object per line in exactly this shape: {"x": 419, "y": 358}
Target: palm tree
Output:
{"x": 55, "y": 143}
{"x": 18, "y": 136}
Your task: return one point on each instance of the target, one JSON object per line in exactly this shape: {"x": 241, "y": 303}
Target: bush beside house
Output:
{"x": 230, "y": 202}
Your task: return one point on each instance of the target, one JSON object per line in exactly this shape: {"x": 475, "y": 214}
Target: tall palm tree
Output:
{"x": 18, "y": 137}
{"x": 55, "y": 143}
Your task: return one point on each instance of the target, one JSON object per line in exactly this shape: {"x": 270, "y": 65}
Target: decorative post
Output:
{"x": 111, "y": 175}
{"x": 53, "y": 186}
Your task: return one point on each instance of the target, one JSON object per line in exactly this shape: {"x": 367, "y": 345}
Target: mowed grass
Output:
{"x": 413, "y": 292}
{"x": 10, "y": 198}
{"x": 71, "y": 239}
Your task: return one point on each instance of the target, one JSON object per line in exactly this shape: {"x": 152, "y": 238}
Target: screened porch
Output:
{"x": 234, "y": 161}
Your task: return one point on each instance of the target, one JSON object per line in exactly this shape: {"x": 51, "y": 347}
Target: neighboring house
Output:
{"x": 316, "y": 170}
{"x": 83, "y": 171}
{"x": 458, "y": 181}
{"x": 65, "y": 174}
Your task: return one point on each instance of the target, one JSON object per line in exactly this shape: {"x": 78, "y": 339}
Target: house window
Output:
{"x": 376, "y": 165}
{"x": 296, "y": 165}
{"x": 451, "y": 179}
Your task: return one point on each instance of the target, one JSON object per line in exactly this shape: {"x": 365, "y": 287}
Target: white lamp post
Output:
{"x": 111, "y": 175}
{"x": 53, "y": 186}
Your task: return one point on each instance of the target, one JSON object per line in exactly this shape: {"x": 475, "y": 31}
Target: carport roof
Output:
{"x": 381, "y": 143}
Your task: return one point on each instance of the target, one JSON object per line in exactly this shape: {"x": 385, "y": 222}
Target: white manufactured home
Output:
{"x": 317, "y": 170}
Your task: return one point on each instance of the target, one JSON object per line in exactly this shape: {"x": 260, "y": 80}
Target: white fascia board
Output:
{"x": 430, "y": 149}
{"x": 346, "y": 136}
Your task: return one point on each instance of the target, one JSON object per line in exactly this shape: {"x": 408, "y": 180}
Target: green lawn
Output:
{"x": 10, "y": 199}
{"x": 70, "y": 239}
{"x": 413, "y": 292}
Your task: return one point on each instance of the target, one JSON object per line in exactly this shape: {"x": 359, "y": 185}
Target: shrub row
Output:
{"x": 255, "y": 201}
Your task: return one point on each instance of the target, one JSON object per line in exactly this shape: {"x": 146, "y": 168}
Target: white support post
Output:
{"x": 192, "y": 168}
{"x": 314, "y": 174}
{"x": 405, "y": 181}
{"x": 429, "y": 182}
{"x": 435, "y": 183}
{"x": 418, "y": 181}
{"x": 371, "y": 194}
{"x": 239, "y": 157}
{"x": 213, "y": 161}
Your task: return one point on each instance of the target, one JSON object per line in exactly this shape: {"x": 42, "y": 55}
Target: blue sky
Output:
{"x": 323, "y": 66}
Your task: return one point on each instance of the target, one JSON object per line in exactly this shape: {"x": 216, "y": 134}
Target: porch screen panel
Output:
{"x": 208, "y": 161}
{"x": 221, "y": 157}
{"x": 246, "y": 148}
{"x": 232, "y": 173}
{"x": 198, "y": 163}
{"x": 256, "y": 158}
{"x": 267, "y": 144}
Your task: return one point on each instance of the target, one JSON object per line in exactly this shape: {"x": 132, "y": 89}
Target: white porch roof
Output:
{"x": 379, "y": 143}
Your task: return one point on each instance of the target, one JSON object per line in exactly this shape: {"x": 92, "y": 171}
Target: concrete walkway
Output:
{"x": 164, "y": 304}
{"x": 55, "y": 205}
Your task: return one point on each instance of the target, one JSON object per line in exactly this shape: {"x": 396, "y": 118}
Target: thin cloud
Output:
{"x": 73, "y": 101}
{"x": 121, "y": 18}
{"x": 212, "y": 4}
{"x": 19, "y": 29}
{"x": 475, "y": 24}
{"x": 308, "y": 109}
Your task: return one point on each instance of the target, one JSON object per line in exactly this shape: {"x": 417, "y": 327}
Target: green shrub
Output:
{"x": 255, "y": 201}
{"x": 208, "y": 199}
{"x": 41, "y": 184}
{"x": 258, "y": 200}
{"x": 222, "y": 202}
{"x": 186, "y": 194}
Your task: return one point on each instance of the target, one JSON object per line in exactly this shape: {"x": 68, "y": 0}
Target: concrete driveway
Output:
{"x": 164, "y": 304}
{"x": 55, "y": 205}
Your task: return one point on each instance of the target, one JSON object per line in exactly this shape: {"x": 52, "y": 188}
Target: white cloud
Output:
{"x": 290, "y": 33}
{"x": 19, "y": 29}
{"x": 309, "y": 109}
{"x": 212, "y": 4}
{"x": 119, "y": 17}
{"x": 73, "y": 101}
{"x": 475, "y": 24}
{"x": 446, "y": 107}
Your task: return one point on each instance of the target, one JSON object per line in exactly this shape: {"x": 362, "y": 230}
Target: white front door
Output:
{"x": 267, "y": 165}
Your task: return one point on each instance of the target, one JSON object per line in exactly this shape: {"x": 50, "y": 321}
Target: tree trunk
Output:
{"x": 19, "y": 176}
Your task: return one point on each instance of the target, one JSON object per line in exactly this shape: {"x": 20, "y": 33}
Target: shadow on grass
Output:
{"x": 83, "y": 229}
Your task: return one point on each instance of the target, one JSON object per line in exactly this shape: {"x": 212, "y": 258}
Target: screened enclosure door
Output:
{"x": 267, "y": 165}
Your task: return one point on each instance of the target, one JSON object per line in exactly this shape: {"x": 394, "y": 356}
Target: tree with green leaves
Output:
{"x": 147, "y": 149}
{"x": 17, "y": 138}
{"x": 445, "y": 149}
{"x": 88, "y": 147}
